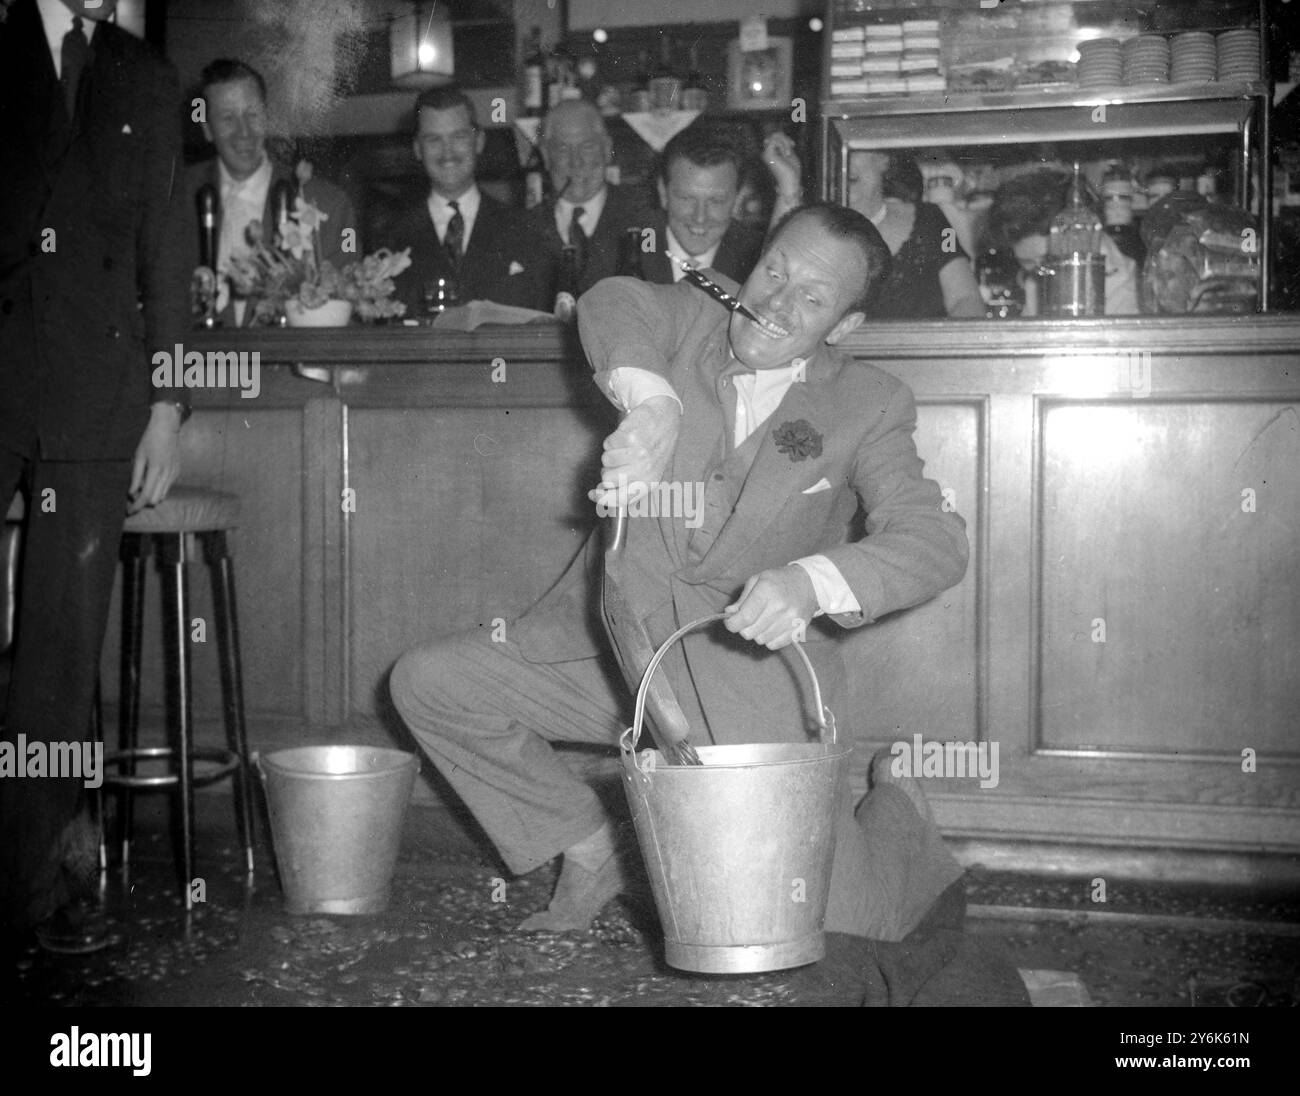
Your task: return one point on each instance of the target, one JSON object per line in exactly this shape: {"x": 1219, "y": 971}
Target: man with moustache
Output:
{"x": 787, "y": 436}
{"x": 91, "y": 285}
{"x": 699, "y": 191}
{"x": 484, "y": 248}
{"x": 584, "y": 211}
{"x": 245, "y": 178}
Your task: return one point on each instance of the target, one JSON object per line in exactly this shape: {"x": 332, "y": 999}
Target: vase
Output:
{"x": 332, "y": 313}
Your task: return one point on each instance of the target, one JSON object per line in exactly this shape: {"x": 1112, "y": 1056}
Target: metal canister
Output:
{"x": 1074, "y": 287}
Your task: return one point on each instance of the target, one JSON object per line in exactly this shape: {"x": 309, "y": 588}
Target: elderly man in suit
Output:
{"x": 699, "y": 190}
{"x": 90, "y": 285}
{"x": 245, "y": 178}
{"x": 784, "y": 437}
{"x": 482, "y": 247}
{"x": 585, "y": 211}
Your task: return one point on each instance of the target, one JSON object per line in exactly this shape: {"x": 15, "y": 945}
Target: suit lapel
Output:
{"x": 774, "y": 476}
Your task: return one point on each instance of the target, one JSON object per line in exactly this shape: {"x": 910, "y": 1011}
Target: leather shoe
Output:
{"x": 77, "y": 928}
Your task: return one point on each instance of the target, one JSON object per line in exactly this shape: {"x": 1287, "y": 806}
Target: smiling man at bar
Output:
{"x": 714, "y": 398}
{"x": 479, "y": 248}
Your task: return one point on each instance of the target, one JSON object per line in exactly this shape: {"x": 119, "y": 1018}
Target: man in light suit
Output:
{"x": 699, "y": 191}
{"x": 785, "y": 436}
{"x": 459, "y": 234}
{"x": 91, "y": 285}
{"x": 245, "y": 178}
{"x": 576, "y": 148}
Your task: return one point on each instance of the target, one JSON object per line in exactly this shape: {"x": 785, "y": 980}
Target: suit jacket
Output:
{"x": 500, "y": 242}
{"x": 623, "y": 210}
{"x": 738, "y": 253}
{"x": 91, "y": 282}
{"x": 912, "y": 550}
{"x": 330, "y": 199}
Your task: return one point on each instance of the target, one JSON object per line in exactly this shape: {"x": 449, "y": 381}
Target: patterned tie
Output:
{"x": 455, "y": 237}
{"x": 578, "y": 239}
{"x": 72, "y": 62}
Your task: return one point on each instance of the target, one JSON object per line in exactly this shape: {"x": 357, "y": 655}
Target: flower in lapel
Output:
{"x": 798, "y": 439}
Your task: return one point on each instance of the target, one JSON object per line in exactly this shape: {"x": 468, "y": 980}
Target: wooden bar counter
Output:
{"x": 1128, "y": 632}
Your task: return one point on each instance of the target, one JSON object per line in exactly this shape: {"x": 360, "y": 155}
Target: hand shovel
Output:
{"x": 634, "y": 650}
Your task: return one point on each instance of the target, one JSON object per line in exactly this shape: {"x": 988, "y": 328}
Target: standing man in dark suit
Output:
{"x": 235, "y": 121}
{"x": 483, "y": 247}
{"x": 576, "y": 149}
{"x": 90, "y": 285}
{"x": 699, "y": 190}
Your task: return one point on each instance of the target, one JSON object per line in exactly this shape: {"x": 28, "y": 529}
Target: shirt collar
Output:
{"x": 591, "y": 211}
{"x": 259, "y": 181}
{"x": 467, "y": 203}
{"x": 702, "y": 260}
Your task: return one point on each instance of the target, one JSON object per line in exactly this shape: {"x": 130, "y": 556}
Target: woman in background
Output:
{"x": 930, "y": 276}
{"x": 1020, "y": 220}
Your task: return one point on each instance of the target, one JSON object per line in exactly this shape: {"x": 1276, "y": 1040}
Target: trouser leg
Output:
{"x": 486, "y": 717}
{"x": 890, "y": 866}
{"x": 74, "y": 523}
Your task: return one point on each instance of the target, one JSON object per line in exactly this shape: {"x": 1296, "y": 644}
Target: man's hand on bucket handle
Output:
{"x": 774, "y": 607}
{"x": 637, "y": 453}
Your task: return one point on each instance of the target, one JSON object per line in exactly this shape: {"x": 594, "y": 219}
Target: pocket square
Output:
{"x": 516, "y": 268}
{"x": 822, "y": 484}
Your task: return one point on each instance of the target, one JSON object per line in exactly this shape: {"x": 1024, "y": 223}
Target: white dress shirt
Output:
{"x": 242, "y": 201}
{"x": 702, "y": 260}
{"x": 758, "y": 394}
{"x": 441, "y": 213}
{"x": 57, "y": 20}
{"x": 591, "y": 211}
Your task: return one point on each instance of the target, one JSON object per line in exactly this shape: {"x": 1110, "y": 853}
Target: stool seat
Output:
{"x": 187, "y": 510}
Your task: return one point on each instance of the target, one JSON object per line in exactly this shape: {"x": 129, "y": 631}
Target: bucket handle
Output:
{"x": 629, "y": 738}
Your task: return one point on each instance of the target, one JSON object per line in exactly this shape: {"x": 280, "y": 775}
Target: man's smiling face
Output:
{"x": 802, "y": 288}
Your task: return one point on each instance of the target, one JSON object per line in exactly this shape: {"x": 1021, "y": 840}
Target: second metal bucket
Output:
{"x": 336, "y": 822}
{"x": 739, "y": 848}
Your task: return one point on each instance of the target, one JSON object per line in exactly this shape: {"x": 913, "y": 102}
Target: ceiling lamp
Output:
{"x": 421, "y": 47}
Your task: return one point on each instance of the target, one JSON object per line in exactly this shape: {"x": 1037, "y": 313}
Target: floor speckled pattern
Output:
{"x": 445, "y": 941}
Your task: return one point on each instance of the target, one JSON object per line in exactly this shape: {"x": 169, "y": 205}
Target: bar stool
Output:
{"x": 187, "y": 515}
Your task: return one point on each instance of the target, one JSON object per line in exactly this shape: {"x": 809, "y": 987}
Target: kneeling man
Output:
{"x": 781, "y": 436}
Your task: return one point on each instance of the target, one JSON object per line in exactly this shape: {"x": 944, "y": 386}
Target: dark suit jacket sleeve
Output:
{"x": 161, "y": 257}
{"x": 913, "y": 549}
{"x": 627, "y": 323}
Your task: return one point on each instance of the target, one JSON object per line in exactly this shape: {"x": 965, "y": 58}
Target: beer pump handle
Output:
{"x": 206, "y": 200}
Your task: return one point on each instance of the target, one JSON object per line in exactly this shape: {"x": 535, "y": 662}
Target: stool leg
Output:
{"x": 135, "y": 550}
{"x": 176, "y": 607}
{"x": 232, "y": 684}
{"x": 97, "y": 726}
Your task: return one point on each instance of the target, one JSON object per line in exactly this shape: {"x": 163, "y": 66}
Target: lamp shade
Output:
{"x": 420, "y": 42}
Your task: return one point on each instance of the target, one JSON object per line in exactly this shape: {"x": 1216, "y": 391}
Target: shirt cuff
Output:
{"x": 833, "y": 593}
{"x": 629, "y": 387}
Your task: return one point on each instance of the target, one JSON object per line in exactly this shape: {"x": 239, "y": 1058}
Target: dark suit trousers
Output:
{"x": 69, "y": 557}
{"x": 486, "y": 717}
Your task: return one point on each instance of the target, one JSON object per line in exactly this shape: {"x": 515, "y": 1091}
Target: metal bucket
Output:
{"x": 739, "y": 848}
{"x": 1075, "y": 287}
{"x": 336, "y": 820}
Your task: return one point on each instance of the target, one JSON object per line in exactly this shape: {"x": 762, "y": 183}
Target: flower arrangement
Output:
{"x": 293, "y": 271}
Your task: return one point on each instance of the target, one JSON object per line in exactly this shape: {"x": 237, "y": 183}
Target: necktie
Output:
{"x": 72, "y": 62}
{"x": 578, "y": 238}
{"x": 727, "y": 397}
{"x": 455, "y": 235}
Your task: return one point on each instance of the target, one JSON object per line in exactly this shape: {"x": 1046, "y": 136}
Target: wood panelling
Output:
{"x": 1086, "y": 494}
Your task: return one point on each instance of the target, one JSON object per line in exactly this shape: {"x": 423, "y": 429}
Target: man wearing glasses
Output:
{"x": 477, "y": 247}
{"x": 585, "y": 212}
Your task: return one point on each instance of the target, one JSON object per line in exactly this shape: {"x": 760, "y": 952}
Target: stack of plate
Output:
{"x": 1239, "y": 55}
{"x": 1100, "y": 64}
{"x": 1146, "y": 59}
{"x": 1192, "y": 58}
